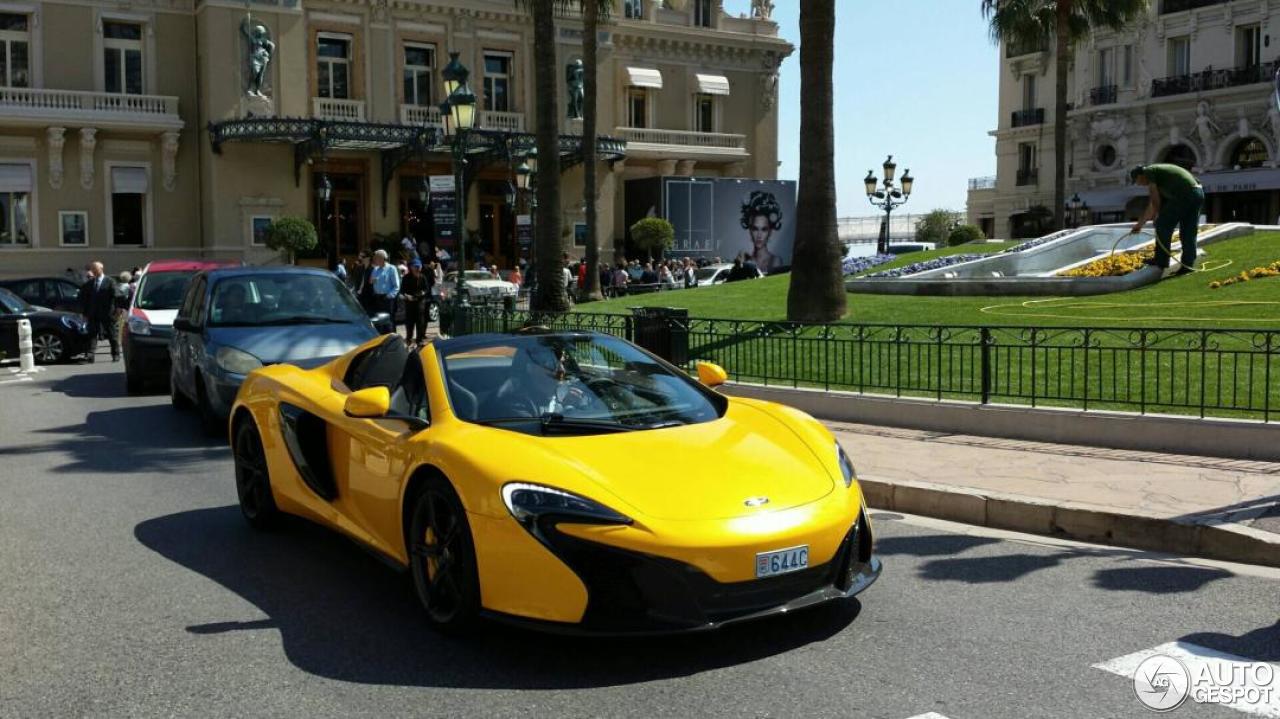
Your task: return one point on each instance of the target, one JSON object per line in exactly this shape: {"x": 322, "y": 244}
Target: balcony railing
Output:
{"x": 684, "y": 138}
{"x": 1017, "y": 49}
{"x": 510, "y": 121}
{"x": 1028, "y": 177}
{"x": 1023, "y": 118}
{"x": 326, "y": 108}
{"x": 75, "y": 104}
{"x": 420, "y": 115}
{"x": 1105, "y": 95}
{"x": 1168, "y": 6}
{"x": 1212, "y": 80}
{"x": 983, "y": 183}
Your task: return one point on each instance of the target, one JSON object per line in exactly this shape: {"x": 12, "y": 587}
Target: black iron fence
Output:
{"x": 1202, "y": 372}
{"x": 1213, "y": 80}
{"x": 1023, "y": 118}
{"x": 1105, "y": 95}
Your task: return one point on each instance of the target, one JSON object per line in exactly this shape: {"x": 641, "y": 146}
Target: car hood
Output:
{"x": 160, "y": 318}
{"x": 296, "y": 344}
{"x": 702, "y": 471}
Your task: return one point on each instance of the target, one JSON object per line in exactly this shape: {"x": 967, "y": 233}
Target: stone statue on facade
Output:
{"x": 762, "y": 9}
{"x": 260, "y": 51}
{"x": 574, "y": 77}
{"x": 1107, "y": 129}
{"x": 1208, "y": 131}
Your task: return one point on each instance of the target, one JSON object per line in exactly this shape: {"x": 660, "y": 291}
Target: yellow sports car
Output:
{"x": 567, "y": 481}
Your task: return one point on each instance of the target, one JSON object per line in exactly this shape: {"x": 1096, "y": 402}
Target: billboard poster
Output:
{"x": 756, "y": 219}
{"x": 444, "y": 210}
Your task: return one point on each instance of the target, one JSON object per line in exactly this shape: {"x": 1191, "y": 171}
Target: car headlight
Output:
{"x": 139, "y": 326}
{"x": 846, "y": 466}
{"x": 528, "y": 502}
{"x": 74, "y": 323}
{"x": 236, "y": 361}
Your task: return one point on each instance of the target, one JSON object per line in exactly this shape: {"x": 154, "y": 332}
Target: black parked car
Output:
{"x": 55, "y": 293}
{"x": 55, "y": 336}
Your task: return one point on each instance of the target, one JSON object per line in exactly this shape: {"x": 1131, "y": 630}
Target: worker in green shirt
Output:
{"x": 1176, "y": 199}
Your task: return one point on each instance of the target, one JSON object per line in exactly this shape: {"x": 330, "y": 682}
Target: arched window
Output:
{"x": 1249, "y": 152}
{"x": 1180, "y": 155}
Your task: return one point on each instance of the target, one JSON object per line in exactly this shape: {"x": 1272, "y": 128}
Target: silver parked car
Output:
{"x": 235, "y": 320}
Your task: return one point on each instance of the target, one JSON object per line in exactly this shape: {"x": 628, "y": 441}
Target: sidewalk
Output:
{"x": 1217, "y": 508}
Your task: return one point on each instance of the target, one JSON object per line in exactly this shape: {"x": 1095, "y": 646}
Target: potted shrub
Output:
{"x": 653, "y": 234}
{"x": 291, "y": 235}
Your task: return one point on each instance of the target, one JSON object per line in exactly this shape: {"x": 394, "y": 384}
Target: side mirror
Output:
{"x": 712, "y": 375}
{"x": 184, "y": 325}
{"x": 369, "y": 403}
{"x": 382, "y": 323}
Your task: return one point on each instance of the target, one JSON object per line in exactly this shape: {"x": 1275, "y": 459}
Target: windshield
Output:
{"x": 478, "y": 275}
{"x": 570, "y": 384}
{"x": 282, "y": 299}
{"x": 12, "y": 304}
{"x": 705, "y": 273}
{"x": 162, "y": 290}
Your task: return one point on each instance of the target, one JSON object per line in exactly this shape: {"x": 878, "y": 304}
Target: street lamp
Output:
{"x": 1077, "y": 211}
{"x": 460, "y": 117}
{"x": 324, "y": 192}
{"x": 889, "y": 197}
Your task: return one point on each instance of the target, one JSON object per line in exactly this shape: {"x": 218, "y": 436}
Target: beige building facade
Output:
{"x": 155, "y": 129}
{"x": 1190, "y": 83}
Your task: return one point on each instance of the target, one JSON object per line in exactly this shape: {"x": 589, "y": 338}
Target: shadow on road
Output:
{"x": 99, "y": 385}
{"x": 343, "y": 615}
{"x": 1157, "y": 580}
{"x": 1260, "y": 645}
{"x": 931, "y": 545}
{"x": 145, "y": 438}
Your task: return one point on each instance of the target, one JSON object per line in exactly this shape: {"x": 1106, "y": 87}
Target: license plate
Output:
{"x": 782, "y": 561}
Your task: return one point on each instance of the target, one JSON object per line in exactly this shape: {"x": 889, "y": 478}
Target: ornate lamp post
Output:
{"x": 890, "y": 198}
{"x": 461, "y": 114}
{"x": 1077, "y": 212}
{"x": 324, "y": 193}
{"x": 524, "y": 174}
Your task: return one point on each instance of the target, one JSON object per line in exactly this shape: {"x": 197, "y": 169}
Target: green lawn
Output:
{"x": 1175, "y": 302}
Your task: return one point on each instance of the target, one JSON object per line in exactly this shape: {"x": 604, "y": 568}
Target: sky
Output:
{"x": 917, "y": 79}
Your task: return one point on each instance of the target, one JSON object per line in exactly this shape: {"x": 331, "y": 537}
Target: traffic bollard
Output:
{"x": 26, "y": 357}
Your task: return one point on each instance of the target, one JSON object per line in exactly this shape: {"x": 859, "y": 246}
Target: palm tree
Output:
{"x": 593, "y": 11}
{"x": 816, "y": 293}
{"x": 1033, "y": 23}
{"x": 549, "y": 295}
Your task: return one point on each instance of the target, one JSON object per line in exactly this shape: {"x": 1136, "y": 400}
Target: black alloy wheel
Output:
{"x": 442, "y": 559}
{"x": 47, "y": 347}
{"x": 253, "y": 479}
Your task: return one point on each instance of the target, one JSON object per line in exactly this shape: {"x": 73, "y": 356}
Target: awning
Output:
{"x": 712, "y": 84}
{"x": 15, "y": 178}
{"x": 1111, "y": 198}
{"x": 644, "y": 77}
{"x": 129, "y": 180}
{"x": 1241, "y": 180}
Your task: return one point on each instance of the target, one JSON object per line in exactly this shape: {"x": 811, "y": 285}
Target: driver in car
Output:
{"x": 231, "y": 304}
{"x": 538, "y": 385}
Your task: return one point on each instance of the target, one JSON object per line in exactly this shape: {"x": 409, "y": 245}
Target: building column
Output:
{"x": 666, "y": 168}
{"x": 735, "y": 169}
{"x": 168, "y": 158}
{"x": 56, "y": 137}
{"x": 88, "y": 141}
{"x": 684, "y": 168}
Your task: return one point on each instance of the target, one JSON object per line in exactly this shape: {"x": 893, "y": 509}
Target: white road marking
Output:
{"x": 1198, "y": 660}
{"x": 930, "y": 715}
{"x": 15, "y": 381}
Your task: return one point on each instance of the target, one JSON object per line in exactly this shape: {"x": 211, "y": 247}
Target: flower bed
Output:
{"x": 854, "y": 265}
{"x": 1257, "y": 273}
{"x": 936, "y": 263}
{"x": 1116, "y": 265}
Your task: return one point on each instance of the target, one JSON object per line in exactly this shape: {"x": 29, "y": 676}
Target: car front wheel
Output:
{"x": 48, "y": 347}
{"x": 442, "y": 559}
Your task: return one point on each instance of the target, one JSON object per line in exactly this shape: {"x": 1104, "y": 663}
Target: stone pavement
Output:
{"x": 1219, "y": 508}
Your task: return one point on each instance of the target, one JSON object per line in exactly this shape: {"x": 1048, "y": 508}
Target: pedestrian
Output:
{"x": 647, "y": 275}
{"x": 516, "y": 279}
{"x": 620, "y": 281}
{"x": 408, "y": 248}
{"x": 98, "y": 305}
{"x": 341, "y": 271}
{"x": 690, "y": 274}
{"x": 384, "y": 281}
{"x": 666, "y": 279}
{"x": 414, "y": 291}
{"x": 364, "y": 283}
{"x": 1176, "y": 199}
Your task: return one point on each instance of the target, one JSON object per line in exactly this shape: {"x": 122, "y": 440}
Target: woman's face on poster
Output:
{"x": 760, "y": 231}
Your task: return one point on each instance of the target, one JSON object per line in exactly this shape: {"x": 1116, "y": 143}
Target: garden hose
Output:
{"x": 1225, "y": 263}
{"x": 1070, "y": 303}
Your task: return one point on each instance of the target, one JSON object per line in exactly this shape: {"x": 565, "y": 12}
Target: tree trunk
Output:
{"x": 816, "y": 293}
{"x": 550, "y": 295}
{"x": 1063, "y": 20}
{"x": 590, "y": 42}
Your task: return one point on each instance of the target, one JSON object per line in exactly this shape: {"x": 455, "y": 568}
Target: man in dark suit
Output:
{"x": 98, "y": 304}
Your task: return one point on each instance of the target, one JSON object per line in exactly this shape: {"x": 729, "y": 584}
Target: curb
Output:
{"x": 1208, "y": 537}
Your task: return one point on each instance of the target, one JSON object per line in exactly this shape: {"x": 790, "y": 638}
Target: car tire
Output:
{"x": 133, "y": 384}
{"x": 210, "y": 423}
{"x": 442, "y": 559}
{"x": 176, "y": 397}
{"x": 48, "y": 347}
{"x": 253, "y": 477}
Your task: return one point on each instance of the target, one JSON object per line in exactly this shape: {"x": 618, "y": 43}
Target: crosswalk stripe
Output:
{"x": 15, "y": 381}
{"x": 930, "y": 715}
{"x": 1197, "y": 660}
